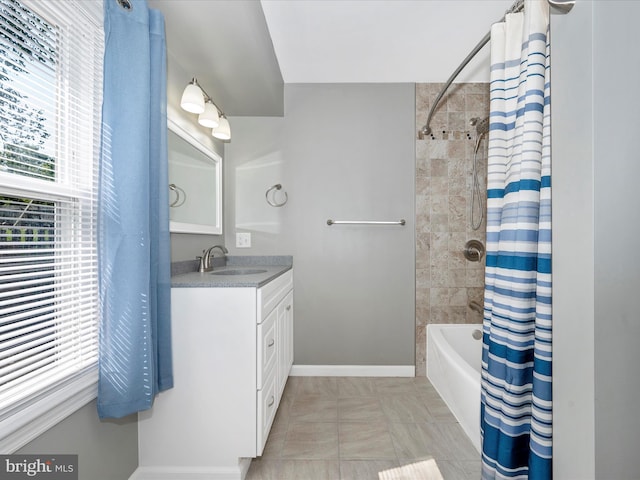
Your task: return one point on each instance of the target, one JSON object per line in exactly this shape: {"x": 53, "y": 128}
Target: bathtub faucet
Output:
{"x": 473, "y": 250}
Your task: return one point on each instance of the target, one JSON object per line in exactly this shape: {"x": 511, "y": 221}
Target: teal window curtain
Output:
{"x": 134, "y": 254}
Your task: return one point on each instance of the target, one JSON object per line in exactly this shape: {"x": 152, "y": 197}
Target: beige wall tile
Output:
{"x": 436, "y": 148}
{"x": 423, "y": 278}
{"x": 440, "y": 185}
{"x": 456, "y": 103}
{"x": 444, "y": 165}
{"x": 421, "y": 351}
{"x": 423, "y": 304}
{"x": 439, "y": 167}
{"x": 423, "y": 184}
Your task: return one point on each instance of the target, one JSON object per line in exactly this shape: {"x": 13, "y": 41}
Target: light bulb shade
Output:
{"x": 209, "y": 118}
{"x": 223, "y": 130}
{"x": 192, "y": 99}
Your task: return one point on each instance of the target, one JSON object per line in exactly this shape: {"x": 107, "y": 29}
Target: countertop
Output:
{"x": 273, "y": 267}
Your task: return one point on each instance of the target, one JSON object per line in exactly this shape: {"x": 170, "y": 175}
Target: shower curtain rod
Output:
{"x": 557, "y": 6}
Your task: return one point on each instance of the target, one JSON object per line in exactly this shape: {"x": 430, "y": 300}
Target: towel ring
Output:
{"x": 272, "y": 201}
{"x": 179, "y": 193}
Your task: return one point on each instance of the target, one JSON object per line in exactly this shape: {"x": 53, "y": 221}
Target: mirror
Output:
{"x": 195, "y": 184}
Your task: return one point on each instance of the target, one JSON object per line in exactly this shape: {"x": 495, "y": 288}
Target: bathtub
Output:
{"x": 453, "y": 367}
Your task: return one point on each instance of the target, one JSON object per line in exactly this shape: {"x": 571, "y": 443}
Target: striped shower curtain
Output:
{"x": 516, "y": 356}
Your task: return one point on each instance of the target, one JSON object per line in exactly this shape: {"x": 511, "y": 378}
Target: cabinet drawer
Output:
{"x": 267, "y": 407}
{"x": 270, "y": 295}
{"x": 267, "y": 347}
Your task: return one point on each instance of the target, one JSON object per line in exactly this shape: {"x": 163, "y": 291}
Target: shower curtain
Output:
{"x": 516, "y": 356}
{"x": 134, "y": 254}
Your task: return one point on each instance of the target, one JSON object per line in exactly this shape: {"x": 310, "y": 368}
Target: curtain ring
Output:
{"x": 273, "y": 202}
{"x": 125, "y": 4}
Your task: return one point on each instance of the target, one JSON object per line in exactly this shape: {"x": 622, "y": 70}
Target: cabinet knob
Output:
{"x": 288, "y": 307}
{"x": 271, "y": 343}
{"x": 271, "y": 401}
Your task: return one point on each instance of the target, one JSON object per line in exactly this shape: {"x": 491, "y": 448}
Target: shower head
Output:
{"x": 482, "y": 126}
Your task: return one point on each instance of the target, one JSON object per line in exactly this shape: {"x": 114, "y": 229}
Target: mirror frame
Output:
{"x": 214, "y": 228}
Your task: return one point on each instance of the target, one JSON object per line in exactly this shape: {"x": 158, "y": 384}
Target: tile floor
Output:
{"x": 360, "y": 428}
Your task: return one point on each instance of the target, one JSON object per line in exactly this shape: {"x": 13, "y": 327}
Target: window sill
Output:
{"x": 26, "y": 423}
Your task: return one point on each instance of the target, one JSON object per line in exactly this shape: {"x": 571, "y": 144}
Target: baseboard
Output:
{"x": 353, "y": 371}
{"x": 193, "y": 473}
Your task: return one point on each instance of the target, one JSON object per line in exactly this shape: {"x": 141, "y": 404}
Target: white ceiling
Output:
{"x": 334, "y": 41}
{"x": 243, "y": 51}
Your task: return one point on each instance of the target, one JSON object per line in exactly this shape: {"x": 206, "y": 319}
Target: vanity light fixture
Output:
{"x": 192, "y": 100}
{"x": 196, "y": 100}
{"x": 223, "y": 130}
{"x": 209, "y": 118}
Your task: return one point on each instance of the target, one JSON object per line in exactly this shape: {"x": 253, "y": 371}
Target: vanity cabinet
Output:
{"x": 232, "y": 353}
{"x": 275, "y": 350}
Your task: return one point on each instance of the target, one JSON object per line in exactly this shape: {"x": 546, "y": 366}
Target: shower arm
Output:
{"x": 556, "y": 5}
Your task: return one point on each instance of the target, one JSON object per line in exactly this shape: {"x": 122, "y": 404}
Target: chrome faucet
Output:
{"x": 207, "y": 255}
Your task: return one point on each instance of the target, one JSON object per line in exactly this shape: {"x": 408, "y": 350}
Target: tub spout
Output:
{"x": 476, "y": 307}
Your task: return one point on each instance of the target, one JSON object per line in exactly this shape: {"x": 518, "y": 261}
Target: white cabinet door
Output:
{"x": 267, "y": 405}
{"x": 289, "y": 322}
{"x": 232, "y": 354}
{"x": 285, "y": 325}
{"x": 275, "y": 347}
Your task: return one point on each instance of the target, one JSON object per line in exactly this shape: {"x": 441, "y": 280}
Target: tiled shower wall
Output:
{"x": 445, "y": 281}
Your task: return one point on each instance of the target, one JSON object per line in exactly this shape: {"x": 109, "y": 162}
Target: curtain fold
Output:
{"x": 134, "y": 254}
{"x": 516, "y": 358}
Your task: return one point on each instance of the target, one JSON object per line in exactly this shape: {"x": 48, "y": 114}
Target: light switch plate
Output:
{"x": 243, "y": 240}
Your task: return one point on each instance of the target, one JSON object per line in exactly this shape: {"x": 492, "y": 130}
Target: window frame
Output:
{"x": 28, "y": 418}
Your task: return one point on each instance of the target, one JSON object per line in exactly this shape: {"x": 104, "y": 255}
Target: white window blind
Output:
{"x": 50, "y": 102}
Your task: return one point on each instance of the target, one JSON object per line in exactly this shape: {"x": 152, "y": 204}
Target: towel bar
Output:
{"x": 364, "y": 222}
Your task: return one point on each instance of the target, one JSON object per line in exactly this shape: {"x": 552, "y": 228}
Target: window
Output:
{"x": 50, "y": 101}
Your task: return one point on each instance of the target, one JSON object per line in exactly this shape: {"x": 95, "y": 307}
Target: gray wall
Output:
{"x": 106, "y": 450}
{"x": 596, "y": 273}
{"x": 573, "y": 244}
{"x": 344, "y": 152}
{"x": 617, "y": 266}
